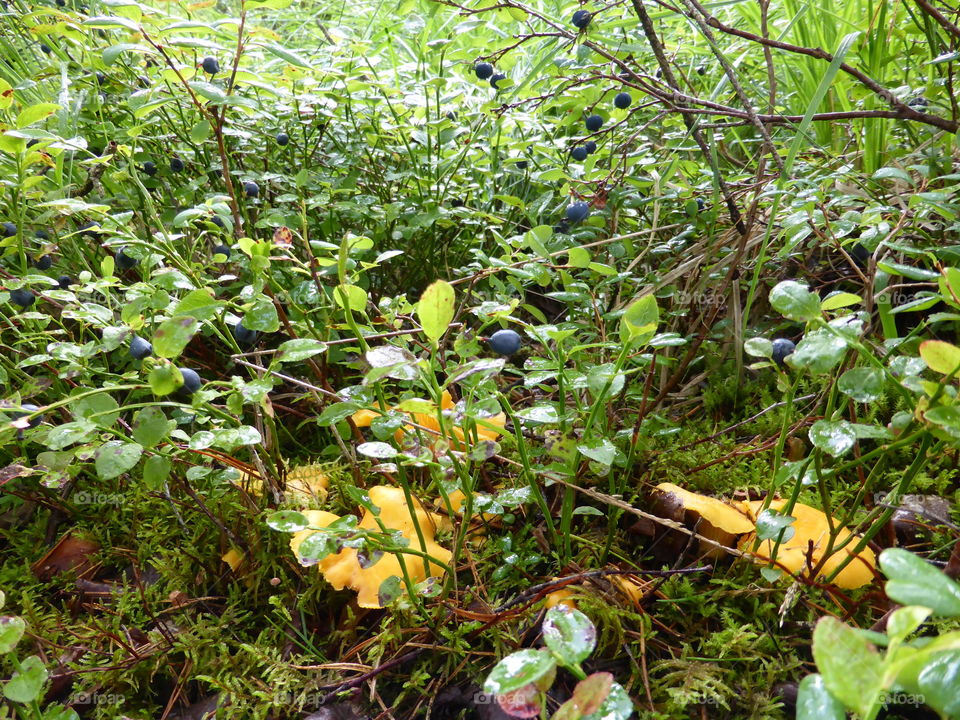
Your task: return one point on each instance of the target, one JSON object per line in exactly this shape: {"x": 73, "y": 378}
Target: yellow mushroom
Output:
{"x": 811, "y": 526}
{"x": 487, "y": 429}
{"x": 717, "y": 521}
{"x": 343, "y": 568}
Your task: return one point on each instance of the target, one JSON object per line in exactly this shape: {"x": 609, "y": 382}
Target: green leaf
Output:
{"x": 291, "y": 57}
{"x": 616, "y": 706}
{"x": 794, "y": 301}
{"x": 209, "y": 91}
{"x": 838, "y": 300}
{"x": 862, "y": 384}
{"x": 435, "y": 309}
{"x": 199, "y": 304}
{"x": 100, "y": 409}
{"x": 599, "y": 450}
{"x": 116, "y": 457}
{"x": 32, "y": 114}
{"x": 835, "y": 437}
{"x": 758, "y": 347}
{"x": 11, "y": 630}
{"x": 200, "y": 131}
{"x": 262, "y": 316}
{"x": 814, "y": 701}
{"x": 819, "y": 352}
{"x": 299, "y": 349}
{"x": 150, "y": 426}
{"x": 640, "y": 320}
{"x": 940, "y": 356}
{"x": 852, "y": 670}
{"x": 26, "y": 685}
{"x": 172, "y": 336}
{"x": 164, "y": 379}
{"x": 288, "y": 521}
{"x": 915, "y": 582}
{"x": 518, "y": 670}
{"x": 569, "y": 634}
{"x": 156, "y": 470}
{"x": 351, "y": 295}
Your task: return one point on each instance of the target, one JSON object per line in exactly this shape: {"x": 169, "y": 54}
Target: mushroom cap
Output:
{"x": 811, "y": 526}
{"x": 716, "y": 512}
{"x": 343, "y": 569}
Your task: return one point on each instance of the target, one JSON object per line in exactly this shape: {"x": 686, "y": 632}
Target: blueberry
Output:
{"x": 251, "y": 189}
{"x": 45, "y": 49}
{"x": 9, "y": 229}
{"x": 918, "y": 102}
{"x": 176, "y": 165}
{"x": 504, "y": 342}
{"x": 149, "y": 168}
{"x": 623, "y": 100}
{"x": 282, "y": 138}
{"x": 101, "y": 78}
{"x": 139, "y": 348}
{"x": 522, "y": 165}
{"x": 87, "y": 229}
{"x": 781, "y": 349}
{"x": 218, "y": 221}
{"x": 594, "y": 123}
{"x": 659, "y": 73}
{"x": 27, "y": 409}
{"x": 191, "y": 381}
{"x": 31, "y": 142}
{"x": 701, "y": 70}
{"x": 496, "y": 79}
{"x": 124, "y": 261}
{"x": 562, "y": 227}
{"x": 581, "y": 18}
{"x": 244, "y": 336}
{"x": 41, "y": 234}
{"x": 701, "y": 204}
{"x": 483, "y": 70}
{"x": 457, "y": 202}
{"x": 64, "y": 281}
{"x": 22, "y": 297}
{"x": 578, "y": 211}
{"x": 590, "y": 146}
{"x": 221, "y": 250}
{"x": 451, "y": 116}
{"x": 579, "y": 153}
{"x": 44, "y": 262}
{"x": 210, "y": 66}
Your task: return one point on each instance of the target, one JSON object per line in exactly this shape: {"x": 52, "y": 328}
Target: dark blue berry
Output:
{"x": 623, "y": 100}
{"x": 87, "y": 229}
{"x": 139, "y": 348}
{"x": 581, "y": 18}
{"x": 41, "y": 234}
{"x": 590, "y": 146}
{"x": 64, "y": 281}
{"x": 282, "y": 138}
{"x": 210, "y": 66}
{"x": 504, "y": 342}
{"x": 782, "y": 347}
{"x": 191, "y": 381}
{"x": 579, "y": 153}
{"x": 9, "y": 229}
{"x": 594, "y": 123}
{"x": 495, "y": 80}
{"x": 124, "y": 261}
{"x": 578, "y": 211}
{"x": 221, "y": 250}
{"x": 483, "y": 70}
{"x": 251, "y": 189}
{"x": 44, "y": 262}
{"x": 22, "y": 297}
{"x": 149, "y": 168}
{"x": 176, "y": 165}
{"x": 244, "y": 336}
